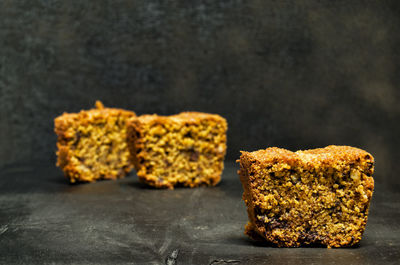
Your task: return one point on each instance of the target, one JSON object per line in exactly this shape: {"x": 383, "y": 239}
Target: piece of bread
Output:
{"x": 186, "y": 149}
{"x": 317, "y": 197}
{"x": 92, "y": 144}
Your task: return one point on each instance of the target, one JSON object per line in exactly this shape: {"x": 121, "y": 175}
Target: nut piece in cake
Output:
{"x": 92, "y": 144}
{"x": 313, "y": 197}
{"x": 186, "y": 149}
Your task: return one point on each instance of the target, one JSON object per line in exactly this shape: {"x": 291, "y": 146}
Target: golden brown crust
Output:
{"x": 318, "y": 196}
{"x": 324, "y": 157}
{"x": 185, "y": 149}
{"x": 183, "y": 118}
{"x": 90, "y": 141}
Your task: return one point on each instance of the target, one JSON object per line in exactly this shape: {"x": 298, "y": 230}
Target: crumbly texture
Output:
{"x": 92, "y": 144}
{"x": 313, "y": 197}
{"x": 187, "y": 149}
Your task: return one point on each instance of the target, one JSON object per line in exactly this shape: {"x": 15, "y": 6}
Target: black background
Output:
{"x": 292, "y": 74}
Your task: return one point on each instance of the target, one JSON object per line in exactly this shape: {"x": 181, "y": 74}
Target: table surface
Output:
{"x": 45, "y": 220}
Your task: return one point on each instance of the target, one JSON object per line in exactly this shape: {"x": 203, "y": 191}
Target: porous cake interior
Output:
{"x": 100, "y": 149}
{"x": 292, "y": 204}
{"x": 95, "y": 149}
{"x": 178, "y": 153}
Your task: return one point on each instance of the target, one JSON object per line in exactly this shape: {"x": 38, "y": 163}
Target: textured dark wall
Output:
{"x": 293, "y": 74}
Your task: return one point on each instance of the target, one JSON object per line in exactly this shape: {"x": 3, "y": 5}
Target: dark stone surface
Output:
{"x": 44, "y": 220}
{"x": 293, "y": 74}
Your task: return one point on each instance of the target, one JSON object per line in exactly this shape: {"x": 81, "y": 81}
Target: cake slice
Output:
{"x": 313, "y": 197}
{"x": 187, "y": 149}
{"x": 92, "y": 144}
